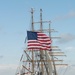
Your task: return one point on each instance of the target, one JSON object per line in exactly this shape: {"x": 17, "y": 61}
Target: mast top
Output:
{"x": 32, "y": 10}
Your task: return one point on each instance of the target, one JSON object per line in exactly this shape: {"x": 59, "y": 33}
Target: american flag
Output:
{"x": 38, "y": 41}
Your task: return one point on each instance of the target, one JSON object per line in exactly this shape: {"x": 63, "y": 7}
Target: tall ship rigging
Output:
{"x": 40, "y": 57}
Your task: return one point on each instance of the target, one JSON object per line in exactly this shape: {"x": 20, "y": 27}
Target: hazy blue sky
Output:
{"x": 15, "y": 20}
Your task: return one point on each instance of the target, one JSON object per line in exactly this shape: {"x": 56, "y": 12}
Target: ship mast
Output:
{"x": 32, "y": 50}
{"x": 48, "y": 69}
{"x": 52, "y": 56}
{"x": 41, "y": 62}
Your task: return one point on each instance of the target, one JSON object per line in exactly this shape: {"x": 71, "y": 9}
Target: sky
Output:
{"x": 15, "y": 20}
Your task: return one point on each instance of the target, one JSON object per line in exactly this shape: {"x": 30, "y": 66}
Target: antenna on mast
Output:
{"x": 41, "y": 20}
{"x": 32, "y": 11}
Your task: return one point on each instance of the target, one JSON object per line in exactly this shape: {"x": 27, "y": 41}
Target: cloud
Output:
{"x": 7, "y": 66}
{"x": 67, "y": 70}
{"x": 65, "y": 38}
{"x": 70, "y": 70}
{"x": 8, "y": 69}
{"x": 70, "y": 14}
{"x": 70, "y": 49}
{"x": 1, "y": 56}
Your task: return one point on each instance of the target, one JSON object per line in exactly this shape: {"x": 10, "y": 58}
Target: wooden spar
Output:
{"x": 56, "y": 37}
{"x": 61, "y": 64}
{"x": 27, "y": 69}
{"x": 57, "y": 55}
{"x": 56, "y": 49}
{"x": 56, "y": 52}
{"x": 43, "y": 60}
{"x": 47, "y": 30}
{"x": 27, "y": 55}
{"x": 56, "y": 64}
{"x": 53, "y": 49}
{"x": 21, "y": 57}
{"x": 43, "y": 22}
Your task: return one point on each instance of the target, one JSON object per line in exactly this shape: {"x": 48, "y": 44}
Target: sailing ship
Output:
{"x": 40, "y": 57}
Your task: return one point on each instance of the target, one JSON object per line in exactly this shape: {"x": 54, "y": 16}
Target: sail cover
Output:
{"x": 38, "y": 41}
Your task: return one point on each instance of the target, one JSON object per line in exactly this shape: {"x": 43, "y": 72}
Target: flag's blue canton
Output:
{"x": 32, "y": 35}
